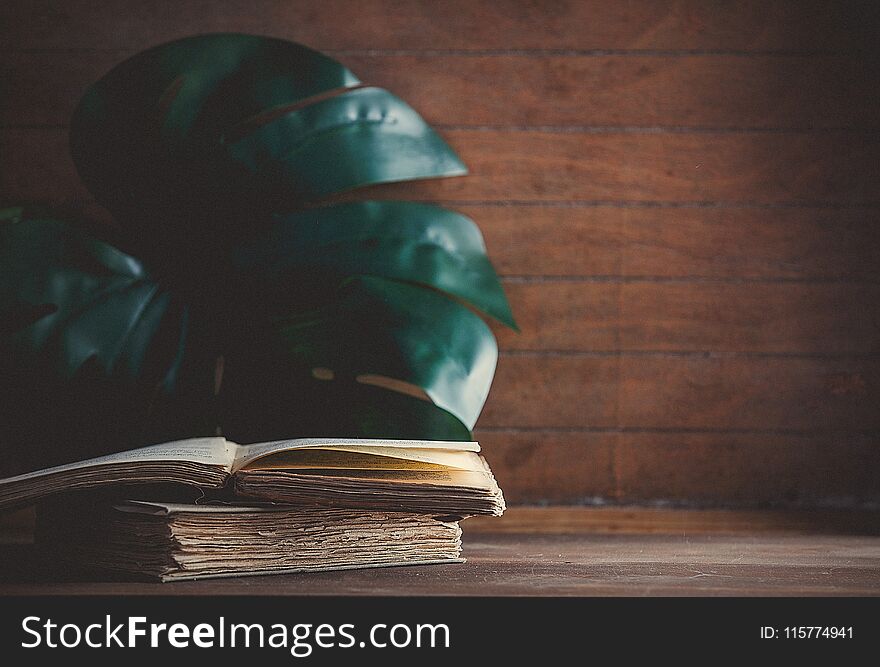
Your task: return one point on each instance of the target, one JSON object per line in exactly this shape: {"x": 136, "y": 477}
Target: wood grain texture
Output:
{"x": 452, "y": 24}
{"x": 535, "y": 166}
{"x": 698, "y": 391}
{"x": 524, "y": 564}
{"x": 552, "y": 467}
{"x": 748, "y": 243}
{"x": 683, "y": 469}
{"x": 694, "y": 316}
{"x": 705, "y": 91}
{"x": 666, "y": 521}
{"x": 763, "y": 168}
{"x": 834, "y": 470}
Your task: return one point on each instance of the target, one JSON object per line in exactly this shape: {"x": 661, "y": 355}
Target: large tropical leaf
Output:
{"x": 375, "y": 412}
{"x": 213, "y": 153}
{"x": 76, "y": 300}
{"x": 358, "y": 138}
{"x": 288, "y": 400}
{"x": 165, "y": 107}
{"x": 193, "y": 142}
{"x": 394, "y": 330}
{"x": 305, "y": 253}
{"x": 94, "y": 351}
{"x": 77, "y": 303}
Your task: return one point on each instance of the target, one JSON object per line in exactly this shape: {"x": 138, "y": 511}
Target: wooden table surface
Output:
{"x": 570, "y": 552}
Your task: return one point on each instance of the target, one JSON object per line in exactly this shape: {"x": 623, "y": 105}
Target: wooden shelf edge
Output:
{"x": 642, "y": 520}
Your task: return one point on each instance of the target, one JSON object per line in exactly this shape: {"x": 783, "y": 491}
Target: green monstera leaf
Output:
{"x": 389, "y": 329}
{"x": 268, "y": 395}
{"x": 243, "y": 299}
{"x": 380, "y": 289}
{"x": 78, "y": 300}
{"x": 94, "y": 349}
{"x": 405, "y": 241}
{"x": 361, "y": 137}
{"x": 162, "y": 114}
{"x": 190, "y": 144}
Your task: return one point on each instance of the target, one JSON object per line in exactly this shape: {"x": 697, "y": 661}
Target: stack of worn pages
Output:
{"x": 286, "y": 506}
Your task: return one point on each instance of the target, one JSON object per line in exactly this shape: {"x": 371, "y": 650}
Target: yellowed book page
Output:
{"x": 246, "y": 454}
{"x": 210, "y": 451}
{"x": 448, "y": 477}
{"x": 368, "y": 458}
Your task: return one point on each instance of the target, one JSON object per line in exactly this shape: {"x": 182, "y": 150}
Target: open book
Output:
{"x": 435, "y": 477}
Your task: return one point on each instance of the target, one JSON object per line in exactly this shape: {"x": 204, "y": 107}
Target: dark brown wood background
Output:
{"x": 682, "y": 197}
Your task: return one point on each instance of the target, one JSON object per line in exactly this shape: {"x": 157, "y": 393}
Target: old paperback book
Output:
{"x": 423, "y": 476}
{"x": 170, "y": 542}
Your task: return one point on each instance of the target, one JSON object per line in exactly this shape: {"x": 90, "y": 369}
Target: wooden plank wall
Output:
{"x": 682, "y": 197}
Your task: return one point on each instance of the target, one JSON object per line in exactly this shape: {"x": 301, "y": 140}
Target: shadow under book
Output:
{"x": 285, "y": 506}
